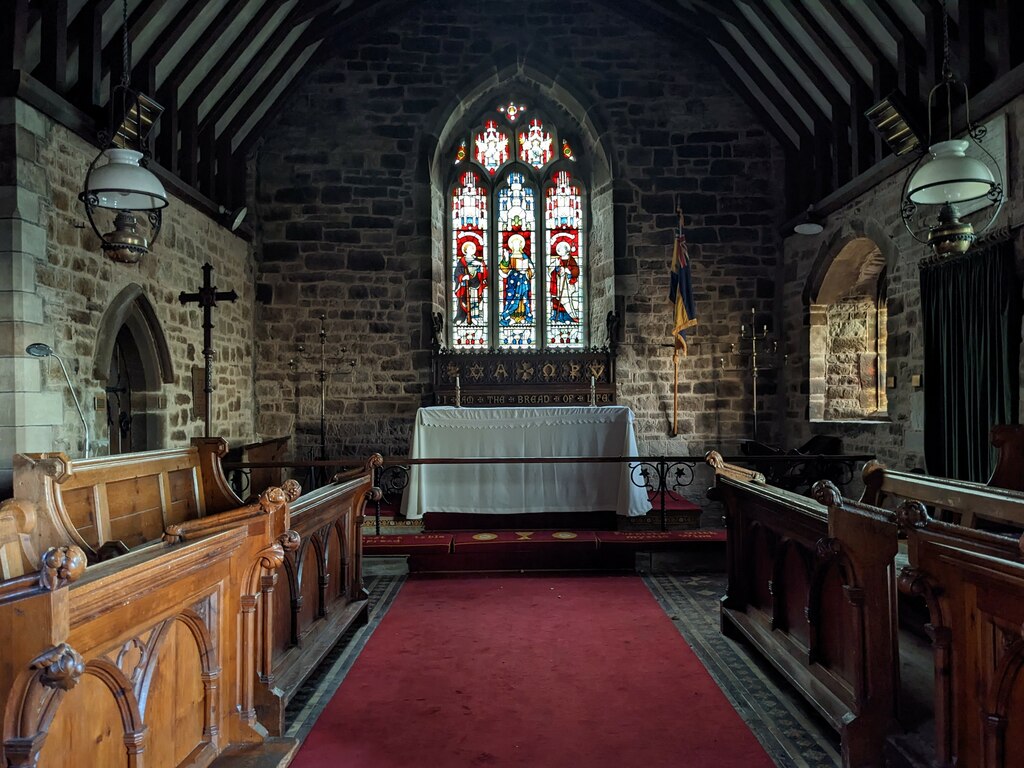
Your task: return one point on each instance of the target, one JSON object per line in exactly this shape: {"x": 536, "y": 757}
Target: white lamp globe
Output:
{"x": 949, "y": 176}
{"x": 123, "y": 184}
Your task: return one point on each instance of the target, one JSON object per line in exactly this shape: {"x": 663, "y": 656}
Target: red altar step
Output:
{"x": 536, "y": 549}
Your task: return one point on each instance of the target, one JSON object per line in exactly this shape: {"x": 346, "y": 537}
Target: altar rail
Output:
{"x": 665, "y": 476}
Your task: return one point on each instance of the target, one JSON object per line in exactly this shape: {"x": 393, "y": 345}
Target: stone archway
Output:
{"x": 848, "y": 332}
{"x": 133, "y": 360}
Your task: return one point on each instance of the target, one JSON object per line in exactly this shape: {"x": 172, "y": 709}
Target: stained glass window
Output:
{"x": 470, "y": 295}
{"x": 563, "y": 244}
{"x": 535, "y": 145}
{"x": 517, "y": 253}
{"x": 517, "y": 221}
{"x": 491, "y": 147}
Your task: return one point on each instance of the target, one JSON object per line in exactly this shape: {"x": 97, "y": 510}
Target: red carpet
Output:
{"x": 566, "y": 672}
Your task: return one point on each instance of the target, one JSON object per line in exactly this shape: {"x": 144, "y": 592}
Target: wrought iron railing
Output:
{"x": 664, "y": 477}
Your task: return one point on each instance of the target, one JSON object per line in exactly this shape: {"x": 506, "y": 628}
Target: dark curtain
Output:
{"x": 971, "y": 311}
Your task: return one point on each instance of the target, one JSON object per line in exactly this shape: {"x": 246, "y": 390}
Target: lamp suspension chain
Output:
{"x": 126, "y": 46}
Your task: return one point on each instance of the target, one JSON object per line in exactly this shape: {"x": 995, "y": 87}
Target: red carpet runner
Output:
{"x": 566, "y": 672}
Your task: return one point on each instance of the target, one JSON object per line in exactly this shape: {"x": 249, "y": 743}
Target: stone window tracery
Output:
{"x": 516, "y": 218}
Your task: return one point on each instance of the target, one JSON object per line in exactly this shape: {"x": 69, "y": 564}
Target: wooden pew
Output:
{"x": 108, "y": 505}
{"x": 322, "y": 594}
{"x": 973, "y": 583}
{"x": 812, "y": 585}
{"x": 121, "y": 506}
{"x": 1000, "y": 501}
{"x": 152, "y": 658}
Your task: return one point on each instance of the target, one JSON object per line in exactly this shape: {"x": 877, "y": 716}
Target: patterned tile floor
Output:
{"x": 790, "y": 733}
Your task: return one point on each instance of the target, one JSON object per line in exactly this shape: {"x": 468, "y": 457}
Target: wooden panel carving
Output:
{"x": 560, "y": 377}
{"x": 321, "y": 588}
{"x": 813, "y": 588}
{"x": 100, "y": 735}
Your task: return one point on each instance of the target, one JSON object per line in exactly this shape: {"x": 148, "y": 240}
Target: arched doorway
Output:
{"x": 133, "y": 360}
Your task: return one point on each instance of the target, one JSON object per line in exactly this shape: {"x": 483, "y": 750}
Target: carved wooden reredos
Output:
{"x": 526, "y": 378}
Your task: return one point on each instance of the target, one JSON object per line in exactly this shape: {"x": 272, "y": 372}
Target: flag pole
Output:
{"x": 675, "y": 354}
{"x": 675, "y": 392}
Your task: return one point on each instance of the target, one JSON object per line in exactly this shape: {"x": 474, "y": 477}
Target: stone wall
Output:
{"x": 343, "y": 198}
{"x": 850, "y": 361}
{"x": 899, "y": 438}
{"x": 63, "y": 286}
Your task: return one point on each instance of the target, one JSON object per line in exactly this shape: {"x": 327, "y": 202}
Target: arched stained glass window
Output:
{"x": 563, "y": 230}
{"x": 470, "y": 322}
{"x": 518, "y": 226}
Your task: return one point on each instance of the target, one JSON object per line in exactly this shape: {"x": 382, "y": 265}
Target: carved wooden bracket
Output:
{"x": 825, "y": 492}
{"x": 60, "y": 566}
{"x": 61, "y": 667}
{"x": 912, "y": 514}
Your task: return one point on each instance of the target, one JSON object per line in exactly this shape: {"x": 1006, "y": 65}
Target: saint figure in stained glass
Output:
{"x": 516, "y": 268}
{"x": 470, "y": 284}
{"x": 563, "y": 225}
{"x": 469, "y": 263}
{"x": 565, "y": 273}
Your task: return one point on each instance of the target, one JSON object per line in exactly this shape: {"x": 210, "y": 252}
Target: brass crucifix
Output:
{"x": 207, "y": 298}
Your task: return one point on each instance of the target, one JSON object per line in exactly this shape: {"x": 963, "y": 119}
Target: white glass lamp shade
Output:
{"x": 808, "y": 227}
{"x": 123, "y": 184}
{"x": 949, "y": 176}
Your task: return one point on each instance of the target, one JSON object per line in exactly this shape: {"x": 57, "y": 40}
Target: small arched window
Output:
{"x": 848, "y": 336}
{"x": 517, "y": 253}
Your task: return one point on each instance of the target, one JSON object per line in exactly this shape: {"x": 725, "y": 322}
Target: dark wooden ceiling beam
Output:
{"x": 162, "y": 46}
{"x": 862, "y": 155}
{"x": 189, "y": 110}
{"x": 87, "y": 31}
{"x": 53, "y": 48}
{"x": 910, "y": 53}
{"x": 840, "y": 124}
{"x": 974, "y": 69}
{"x": 883, "y": 73}
{"x": 167, "y": 91}
{"x": 765, "y": 86}
{"x": 796, "y": 195}
{"x": 266, "y": 51}
{"x": 216, "y": 150}
{"x": 113, "y": 51}
{"x": 1009, "y": 35}
{"x": 821, "y": 135}
{"x": 313, "y": 8}
{"x": 13, "y": 36}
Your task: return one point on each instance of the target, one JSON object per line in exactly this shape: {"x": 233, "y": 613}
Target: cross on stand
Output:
{"x": 207, "y": 298}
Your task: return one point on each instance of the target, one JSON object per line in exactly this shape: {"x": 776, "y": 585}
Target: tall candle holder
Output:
{"x": 752, "y": 344}
{"x": 322, "y": 374}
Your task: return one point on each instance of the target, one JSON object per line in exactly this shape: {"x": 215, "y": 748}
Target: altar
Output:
{"x": 508, "y": 488}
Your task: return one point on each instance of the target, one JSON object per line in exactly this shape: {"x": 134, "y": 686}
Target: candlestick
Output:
{"x": 593, "y": 390}
{"x": 458, "y": 392}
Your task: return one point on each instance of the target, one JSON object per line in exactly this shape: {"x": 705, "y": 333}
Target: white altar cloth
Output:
{"x": 447, "y": 432}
